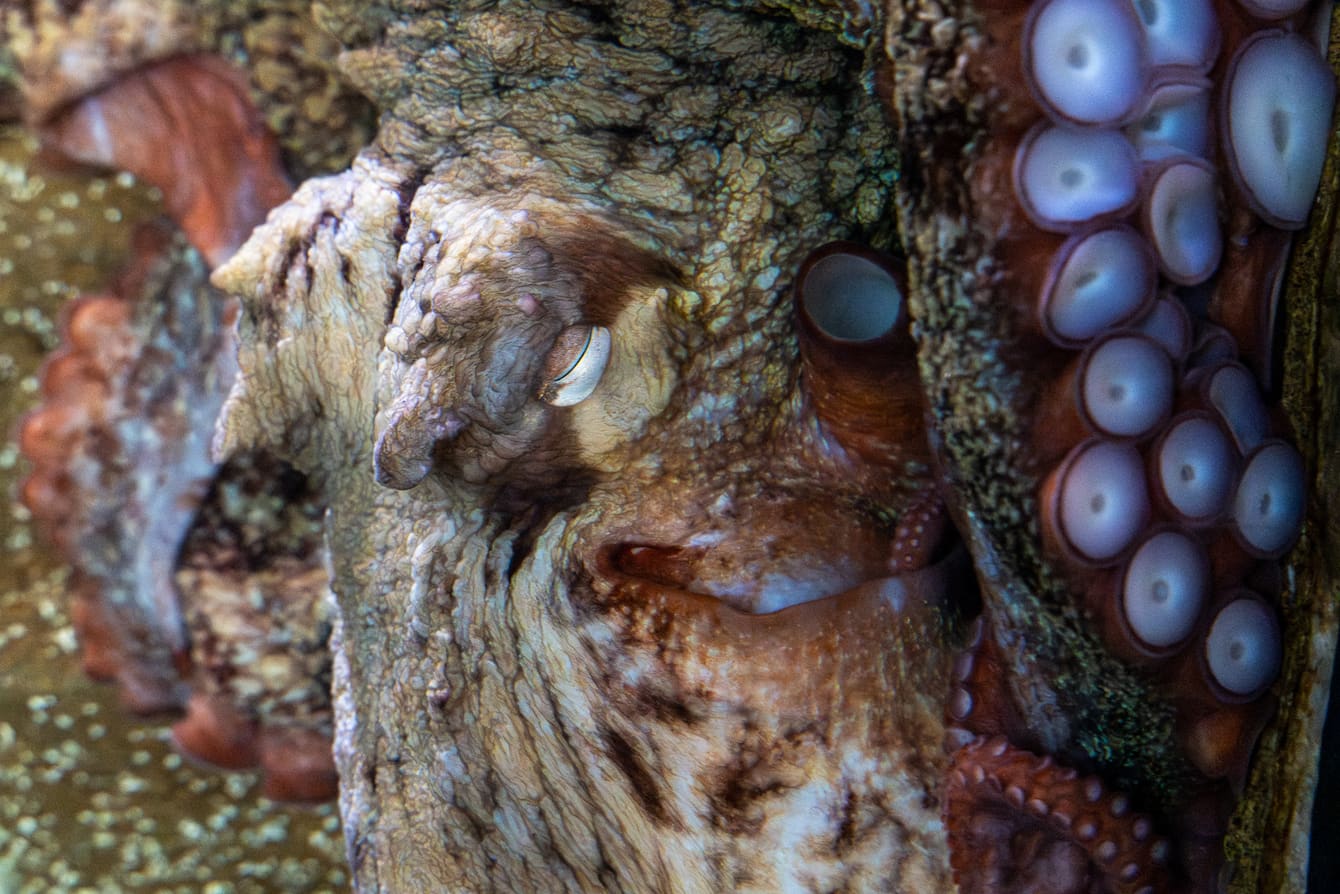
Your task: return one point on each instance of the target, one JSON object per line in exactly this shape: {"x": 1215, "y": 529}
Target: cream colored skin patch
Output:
{"x": 638, "y": 381}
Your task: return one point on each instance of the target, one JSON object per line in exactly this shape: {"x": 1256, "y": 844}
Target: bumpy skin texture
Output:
{"x": 110, "y": 392}
{"x": 200, "y": 586}
{"x": 1041, "y": 673}
{"x": 558, "y": 657}
{"x": 549, "y": 669}
{"x": 559, "y": 660}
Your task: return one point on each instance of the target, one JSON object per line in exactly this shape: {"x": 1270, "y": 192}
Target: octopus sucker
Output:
{"x": 1043, "y": 827}
{"x": 747, "y": 447}
{"x": 1144, "y": 488}
{"x": 858, "y": 365}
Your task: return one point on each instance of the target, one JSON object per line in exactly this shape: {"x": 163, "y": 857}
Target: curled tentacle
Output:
{"x": 187, "y": 126}
{"x": 1018, "y": 822}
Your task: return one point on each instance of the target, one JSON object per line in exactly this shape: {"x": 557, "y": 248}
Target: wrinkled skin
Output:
{"x": 524, "y": 629}
{"x": 550, "y": 672}
{"x": 522, "y": 656}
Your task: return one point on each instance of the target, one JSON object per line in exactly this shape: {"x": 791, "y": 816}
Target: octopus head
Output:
{"x": 524, "y": 355}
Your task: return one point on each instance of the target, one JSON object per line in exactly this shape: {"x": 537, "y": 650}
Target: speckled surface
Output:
{"x": 90, "y": 798}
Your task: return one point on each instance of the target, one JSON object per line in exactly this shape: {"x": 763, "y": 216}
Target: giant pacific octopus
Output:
{"x": 780, "y": 448}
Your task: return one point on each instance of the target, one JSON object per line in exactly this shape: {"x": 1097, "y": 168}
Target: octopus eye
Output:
{"x": 575, "y": 365}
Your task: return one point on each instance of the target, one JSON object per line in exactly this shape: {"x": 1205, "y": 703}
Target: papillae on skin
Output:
{"x": 507, "y": 721}
{"x": 513, "y": 716}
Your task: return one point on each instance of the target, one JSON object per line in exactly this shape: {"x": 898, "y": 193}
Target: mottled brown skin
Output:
{"x": 217, "y": 187}
{"x": 57, "y": 54}
{"x": 556, "y": 656}
{"x": 543, "y": 681}
{"x": 197, "y": 587}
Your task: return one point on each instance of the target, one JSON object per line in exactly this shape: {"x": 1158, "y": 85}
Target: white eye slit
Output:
{"x": 580, "y": 356}
{"x": 575, "y": 384}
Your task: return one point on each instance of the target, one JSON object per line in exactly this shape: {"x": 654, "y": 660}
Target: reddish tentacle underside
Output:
{"x": 1020, "y": 822}
{"x": 1161, "y": 518}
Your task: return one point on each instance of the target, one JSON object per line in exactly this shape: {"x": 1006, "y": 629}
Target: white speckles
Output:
{"x": 129, "y": 784}
{"x": 66, "y": 640}
{"x": 943, "y": 33}
{"x": 236, "y": 786}
{"x": 708, "y": 408}
{"x": 272, "y": 831}
{"x": 190, "y": 830}
{"x": 38, "y": 705}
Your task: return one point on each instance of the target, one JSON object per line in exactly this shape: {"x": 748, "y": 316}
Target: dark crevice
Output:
{"x": 405, "y": 199}
{"x": 1324, "y": 862}
{"x": 640, "y": 777}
